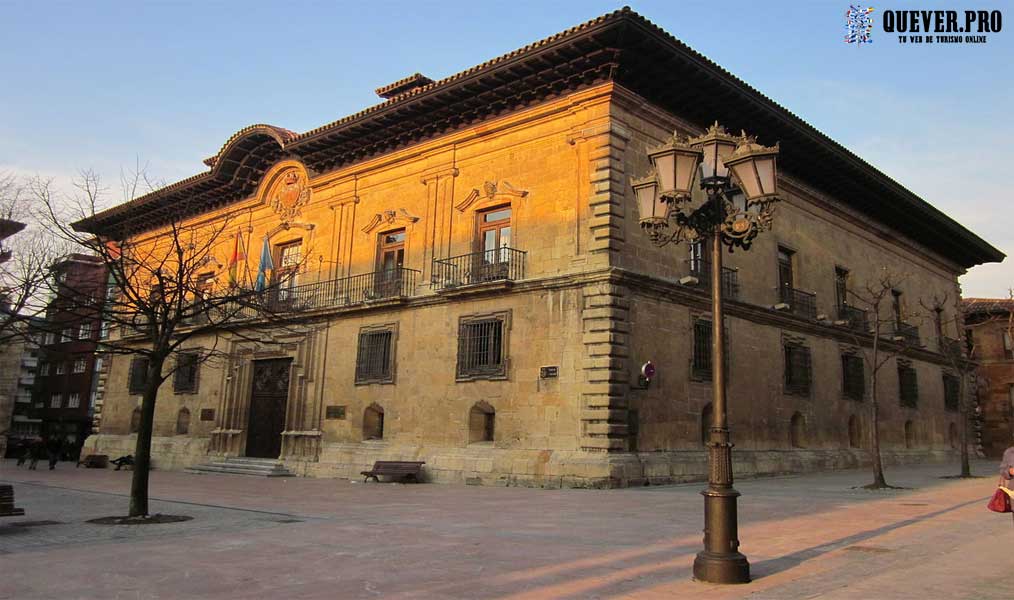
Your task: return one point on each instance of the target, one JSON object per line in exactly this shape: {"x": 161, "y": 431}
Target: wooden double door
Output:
{"x": 268, "y": 400}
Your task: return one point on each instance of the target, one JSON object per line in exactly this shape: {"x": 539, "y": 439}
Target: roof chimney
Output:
{"x": 416, "y": 80}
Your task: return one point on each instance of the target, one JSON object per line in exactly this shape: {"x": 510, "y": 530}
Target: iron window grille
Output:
{"x": 853, "y": 377}
{"x": 797, "y": 370}
{"x": 375, "y": 355}
{"x": 951, "y": 392}
{"x": 482, "y": 347}
{"x": 908, "y": 385}
{"x": 185, "y": 376}
{"x": 700, "y": 363}
{"x": 138, "y": 377}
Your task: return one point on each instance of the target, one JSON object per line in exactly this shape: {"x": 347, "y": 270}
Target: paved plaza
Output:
{"x": 810, "y": 536}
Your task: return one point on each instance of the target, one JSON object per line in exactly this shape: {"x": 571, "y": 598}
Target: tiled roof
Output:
{"x": 987, "y": 305}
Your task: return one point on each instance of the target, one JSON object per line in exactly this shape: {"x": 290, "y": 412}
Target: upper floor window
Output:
{"x": 494, "y": 233}
{"x": 74, "y": 400}
{"x": 43, "y": 368}
{"x": 391, "y": 250}
{"x": 786, "y": 276}
{"x": 841, "y": 286}
{"x": 56, "y": 400}
{"x": 1008, "y": 346}
{"x": 80, "y": 365}
{"x": 84, "y": 331}
{"x": 67, "y": 335}
{"x": 104, "y": 330}
{"x": 290, "y": 256}
{"x": 896, "y": 306}
{"x": 938, "y": 321}
{"x": 698, "y": 262}
{"x": 60, "y": 368}
{"x": 390, "y": 260}
{"x": 482, "y": 346}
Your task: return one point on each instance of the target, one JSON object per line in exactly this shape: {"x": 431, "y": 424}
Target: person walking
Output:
{"x": 1007, "y": 468}
{"x": 36, "y": 450}
{"x": 53, "y": 448}
{"x": 24, "y": 450}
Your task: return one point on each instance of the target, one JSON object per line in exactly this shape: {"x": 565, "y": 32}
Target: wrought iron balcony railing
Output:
{"x": 347, "y": 291}
{"x": 909, "y": 333}
{"x": 950, "y": 347}
{"x": 502, "y": 264}
{"x": 701, "y": 269}
{"x": 854, "y": 318}
{"x": 800, "y": 303}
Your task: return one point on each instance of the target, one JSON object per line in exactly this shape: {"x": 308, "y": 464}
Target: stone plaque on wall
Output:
{"x": 335, "y": 412}
{"x": 207, "y": 414}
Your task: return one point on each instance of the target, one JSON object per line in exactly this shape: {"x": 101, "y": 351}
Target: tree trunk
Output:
{"x": 142, "y": 451}
{"x": 878, "y": 463}
{"x": 966, "y": 467}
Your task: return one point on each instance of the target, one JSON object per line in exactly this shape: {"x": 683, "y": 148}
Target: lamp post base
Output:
{"x": 721, "y": 561}
{"x": 730, "y": 567}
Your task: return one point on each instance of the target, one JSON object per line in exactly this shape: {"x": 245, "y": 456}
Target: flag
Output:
{"x": 238, "y": 254}
{"x": 267, "y": 264}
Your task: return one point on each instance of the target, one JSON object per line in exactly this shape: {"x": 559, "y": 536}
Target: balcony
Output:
{"x": 909, "y": 334}
{"x": 501, "y": 264}
{"x": 391, "y": 284}
{"x": 950, "y": 347}
{"x": 853, "y": 318}
{"x": 701, "y": 270}
{"x": 803, "y": 304}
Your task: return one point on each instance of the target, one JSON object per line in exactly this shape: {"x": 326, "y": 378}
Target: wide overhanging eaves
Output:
{"x": 622, "y": 47}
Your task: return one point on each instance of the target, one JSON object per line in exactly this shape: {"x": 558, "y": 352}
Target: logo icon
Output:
{"x": 859, "y": 25}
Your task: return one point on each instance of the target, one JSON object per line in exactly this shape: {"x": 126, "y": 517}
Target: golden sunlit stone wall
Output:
{"x": 550, "y": 164}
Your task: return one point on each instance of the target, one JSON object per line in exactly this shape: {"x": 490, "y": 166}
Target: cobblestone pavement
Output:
{"x": 812, "y": 536}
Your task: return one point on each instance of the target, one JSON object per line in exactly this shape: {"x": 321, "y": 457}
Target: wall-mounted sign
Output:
{"x": 334, "y": 412}
{"x": 549, "y": 372}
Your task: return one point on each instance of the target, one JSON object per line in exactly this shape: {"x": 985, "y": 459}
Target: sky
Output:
{"x": 100, "y": 85}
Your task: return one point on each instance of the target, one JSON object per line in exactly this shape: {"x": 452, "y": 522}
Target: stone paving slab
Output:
{"x": 812, "y": 536}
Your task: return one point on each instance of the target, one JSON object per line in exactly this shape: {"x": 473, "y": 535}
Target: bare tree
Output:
{"x": 882, "y": 336}
{"x": 164, "y": 305}
{"x": 961, "y": 360}
{"x": 25, "y": 259}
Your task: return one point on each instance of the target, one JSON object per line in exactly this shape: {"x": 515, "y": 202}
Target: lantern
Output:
{"x": 676, "y": 164}
{"x": 754, "y": 167}
{"x": 716, "y": 146}
{"x": 653, "y": 210}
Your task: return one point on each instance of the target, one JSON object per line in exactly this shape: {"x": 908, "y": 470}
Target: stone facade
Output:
{"x": 988, "y": 324}
{"x": 593, "y": 301}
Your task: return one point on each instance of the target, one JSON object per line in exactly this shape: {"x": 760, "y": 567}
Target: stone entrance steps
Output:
{"x": 241, "y": 465}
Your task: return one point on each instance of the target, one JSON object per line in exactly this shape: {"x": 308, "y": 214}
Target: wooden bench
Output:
{"x": 395, "y": 469}
{"x": 7, "y": 503}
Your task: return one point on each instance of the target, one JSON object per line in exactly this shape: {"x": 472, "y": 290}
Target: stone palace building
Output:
{"x": 478, "y": 294}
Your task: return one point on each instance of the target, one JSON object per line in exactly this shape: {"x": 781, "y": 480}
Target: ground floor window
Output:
{"x": 482, "y": 347}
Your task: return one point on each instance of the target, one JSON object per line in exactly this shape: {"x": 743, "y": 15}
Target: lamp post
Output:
{"x": 738, "y": 178}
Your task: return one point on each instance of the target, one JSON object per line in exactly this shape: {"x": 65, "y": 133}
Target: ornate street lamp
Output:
{"x": 739, "y": 180}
